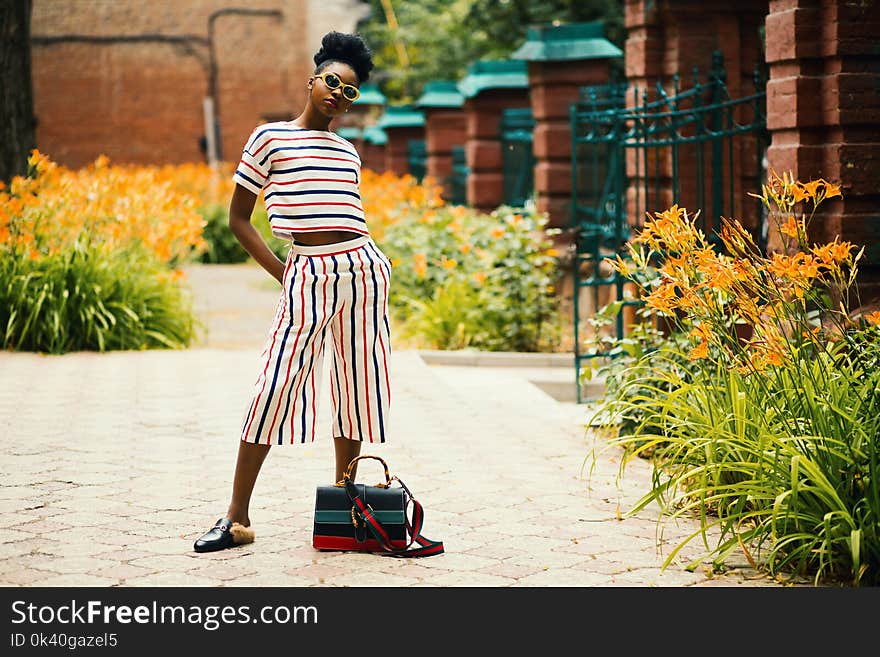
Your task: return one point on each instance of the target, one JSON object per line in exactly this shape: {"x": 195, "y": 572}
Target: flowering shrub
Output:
{"x": 463, "y": 278}
{"x": 773, "y": 424}
{"x": 389, "y": 198}
{"x": 88, "y": 258}
{"x": 54, "y": 208}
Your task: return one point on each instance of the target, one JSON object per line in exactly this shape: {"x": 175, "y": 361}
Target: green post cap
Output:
{"x": 349, "y": 132}
{"x": 494, "y": 74}
{"x": 546, "y": 43}
{"x": 370, "y": 95}
{"x": 401, "y": 116}
{"x": 440, "y": 93}
{"x": 375, "y": 135}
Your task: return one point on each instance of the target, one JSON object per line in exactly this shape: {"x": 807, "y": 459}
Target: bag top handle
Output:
{"x": 347, "y": 475}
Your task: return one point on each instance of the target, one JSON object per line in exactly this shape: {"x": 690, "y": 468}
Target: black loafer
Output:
{"x": 219, "y": 537}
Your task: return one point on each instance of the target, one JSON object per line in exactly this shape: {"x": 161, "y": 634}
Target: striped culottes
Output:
{"x": 340, "y": 290}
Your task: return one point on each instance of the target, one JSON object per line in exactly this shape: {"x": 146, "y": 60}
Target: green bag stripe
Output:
{"x": 344, "y": 517}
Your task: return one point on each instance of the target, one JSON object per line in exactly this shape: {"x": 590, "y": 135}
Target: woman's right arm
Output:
{"x": 240, "y": 209}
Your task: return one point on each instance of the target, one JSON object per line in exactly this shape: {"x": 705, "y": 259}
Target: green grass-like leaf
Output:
{"x": 87, "y": 298}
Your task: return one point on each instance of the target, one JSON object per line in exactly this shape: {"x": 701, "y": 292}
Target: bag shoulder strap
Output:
{"x": 413, "y": 525}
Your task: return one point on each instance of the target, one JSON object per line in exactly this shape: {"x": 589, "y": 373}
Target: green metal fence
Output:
{"x": 518, "y": 161}
{"x": 638, "y": 151}
{"x": 458, "y": 178}
{"x": 417, "y": 157}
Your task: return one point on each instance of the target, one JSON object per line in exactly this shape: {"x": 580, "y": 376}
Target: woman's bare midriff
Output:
{"x": 321, "y": 237}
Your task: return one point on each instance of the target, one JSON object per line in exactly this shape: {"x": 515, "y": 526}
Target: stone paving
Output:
{"x": 113, "y": 464}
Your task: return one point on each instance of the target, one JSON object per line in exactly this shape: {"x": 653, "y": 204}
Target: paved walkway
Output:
{"x": 112, "y": 464}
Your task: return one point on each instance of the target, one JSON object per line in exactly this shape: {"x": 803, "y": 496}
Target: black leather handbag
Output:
{"x": 357, "y": 517}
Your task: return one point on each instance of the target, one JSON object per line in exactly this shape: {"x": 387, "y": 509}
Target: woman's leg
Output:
{"x": 247, "y": 467}
{"x": 235, "y": 529}
{"x": 359, "y": 377}
{"x": 346, "y": 450}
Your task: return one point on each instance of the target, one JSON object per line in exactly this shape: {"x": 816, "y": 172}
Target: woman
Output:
{"x": 334, "y": 284}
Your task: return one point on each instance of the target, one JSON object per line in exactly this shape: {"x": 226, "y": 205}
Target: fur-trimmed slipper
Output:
{"x": 241, "y": 534}
{"x": 223, "y": 535}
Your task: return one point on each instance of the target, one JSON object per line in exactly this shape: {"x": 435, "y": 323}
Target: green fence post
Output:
{"x": 518, "y": 160}
{"x": 458, "y": 179}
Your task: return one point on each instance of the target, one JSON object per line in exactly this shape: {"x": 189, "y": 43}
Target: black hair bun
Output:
{"x": 346, "y": 48}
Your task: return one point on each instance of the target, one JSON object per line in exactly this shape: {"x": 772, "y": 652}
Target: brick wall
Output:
{"x": 823, "y": 111}
{"x": 141, "y": 100}
{"x": 444, "y": 129}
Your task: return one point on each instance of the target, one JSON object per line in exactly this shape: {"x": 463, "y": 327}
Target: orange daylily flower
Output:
{"x": 808, "y": 266}
{"x": 709, "y": 289}
{"x": 833, "y": 253}
{"x": 448, "y": 263}
{"x": 790, "y": 227}
{"x": 783, "y": 266}
{"x": 795, "y": 267}
{"x": 799, "y": 193}
{"x": 718, "y": 271}
{"x": 873, "y": 318}
{"x": 701, "y": 331}
{"x": 832, "y": 190}
{"x": 700, "y": 351}
{"x": 420, "y": 264}
{"x": 663, "y": 298}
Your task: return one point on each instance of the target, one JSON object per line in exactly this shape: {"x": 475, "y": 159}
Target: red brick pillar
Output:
{"x": 823, "y": 112}
{"x": 645, "y": 43}
{"x": 677, "y": 37}
{"x": 561, "y": 60}
{"x": 400, "y": 123}
{"x": 445, "y": 127}
{"x": 489, "y": 87}
{"x": 396, "y": 154}
{"x": 555, "y": 86}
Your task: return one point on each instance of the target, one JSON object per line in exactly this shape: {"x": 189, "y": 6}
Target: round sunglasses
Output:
{"x": 332, "y": 81}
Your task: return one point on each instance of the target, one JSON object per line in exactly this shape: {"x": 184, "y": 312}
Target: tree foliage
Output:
{"x": 442, "y": 37}
{"x": 505, "y": 22}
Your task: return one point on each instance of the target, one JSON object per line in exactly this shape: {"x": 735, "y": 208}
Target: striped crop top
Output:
{"x": 309, "y": 179}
